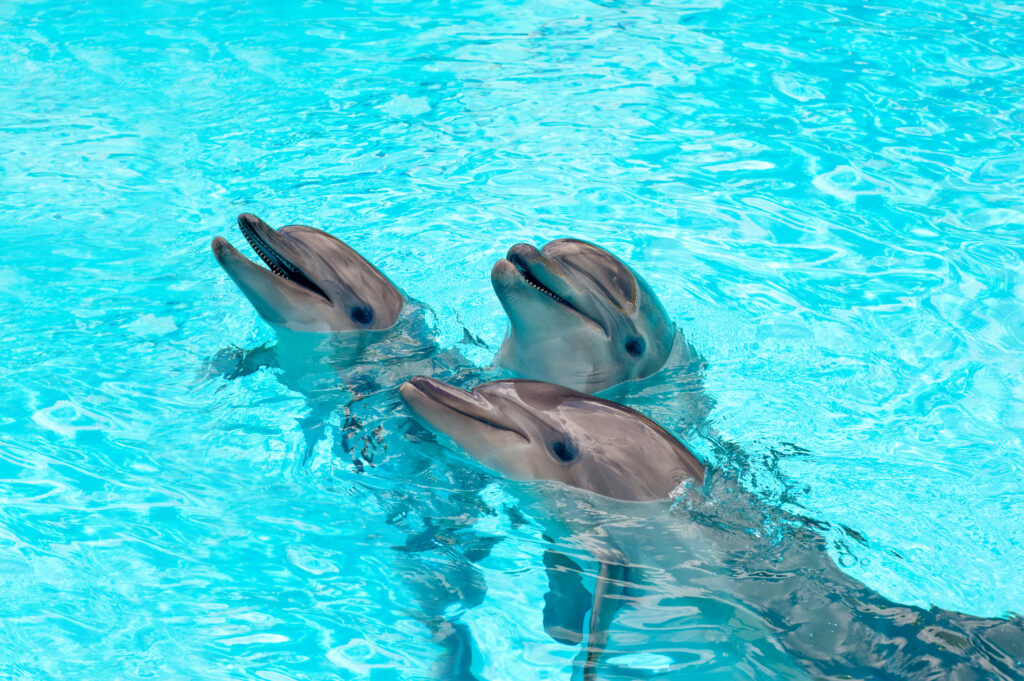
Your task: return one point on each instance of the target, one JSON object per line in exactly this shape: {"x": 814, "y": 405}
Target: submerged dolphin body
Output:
{"x": 713, "y": 592}
{"x": 580, "y": 317}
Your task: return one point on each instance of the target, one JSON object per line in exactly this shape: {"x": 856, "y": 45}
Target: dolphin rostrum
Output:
{"x": 579, "y": 317}
{"x": 315, "y": 282}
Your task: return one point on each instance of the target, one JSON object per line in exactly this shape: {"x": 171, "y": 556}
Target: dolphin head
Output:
{"x": 579, "y": 316}
{"x": 315, "y": 282}
{"x": 530, "y": 430}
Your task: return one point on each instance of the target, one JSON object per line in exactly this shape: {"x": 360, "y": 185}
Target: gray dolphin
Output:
{"x": 532, "y": 430}
{"x": 334, "y": 315}
{"x": 579, "y": 317}
{"x": 344, "y": 331}
{"x": 315, "y": 282}
{"x": 346, "y": 337}
{"x": 712, "y": 588}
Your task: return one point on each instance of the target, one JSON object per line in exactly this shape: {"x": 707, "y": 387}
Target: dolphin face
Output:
{"x": 530, "y": 430}
{"x": 579, "y": 316}
{"x": 315, "y": 283}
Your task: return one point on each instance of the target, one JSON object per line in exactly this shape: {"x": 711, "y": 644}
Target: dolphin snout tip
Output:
{"x": 502, "y": 272}
{"x": 412, "y": 387}
{"x": 219, "y": 245}
{"x": 413, "y": 383}
{"x": 524, "y": 251}
{"x": 248, "y": 222}
{"x": 226, "y": 255}
{"x": 423, "y": 389}
{"x": 405, "y": 390}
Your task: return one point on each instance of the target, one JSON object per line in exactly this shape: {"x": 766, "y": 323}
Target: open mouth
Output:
{"x": 524, "y": 271}
{"x": 277, "y": 263}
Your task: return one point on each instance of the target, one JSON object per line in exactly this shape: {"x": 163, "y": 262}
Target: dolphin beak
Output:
{"x": 278, "y": 300}
{"x": 524, "y": 264}
{"x": 421, "y": 391}
{"x": 504, "y": 276}
{"x": 267, "y": 243}
{"x": 447, "y": 408}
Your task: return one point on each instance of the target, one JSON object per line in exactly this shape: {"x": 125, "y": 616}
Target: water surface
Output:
{"x": 826, "y": 195}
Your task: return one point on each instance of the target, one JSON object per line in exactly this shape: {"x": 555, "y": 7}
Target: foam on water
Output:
{"x": 826, "y": 195}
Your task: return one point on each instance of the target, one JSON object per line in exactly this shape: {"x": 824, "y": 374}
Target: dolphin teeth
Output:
{"x": 548, "y": 292}
{"x": 535, "y": 283}
{"x": 280, "y": 265}
{"x": 263, "y": 256}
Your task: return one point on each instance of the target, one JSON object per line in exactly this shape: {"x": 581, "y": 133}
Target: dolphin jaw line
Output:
{"x": 279, "y": 265}
{"x": 535, "y": 283}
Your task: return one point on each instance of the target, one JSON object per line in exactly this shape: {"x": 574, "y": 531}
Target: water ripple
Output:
{"x": 827, "y": 196}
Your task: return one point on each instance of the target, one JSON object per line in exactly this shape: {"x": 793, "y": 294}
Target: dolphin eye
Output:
{"x": 635, "y": 346}
{"x": 362, "y": 314}
{"x": 564, "y": 452}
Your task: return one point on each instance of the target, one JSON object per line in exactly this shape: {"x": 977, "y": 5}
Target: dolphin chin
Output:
{"x": 579, "y": 316}
{"x": 278, "y": 300}
{"x": 312, "y": 282}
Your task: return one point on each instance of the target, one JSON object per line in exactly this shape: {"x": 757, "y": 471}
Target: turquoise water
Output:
{"x": 827, "y": 196}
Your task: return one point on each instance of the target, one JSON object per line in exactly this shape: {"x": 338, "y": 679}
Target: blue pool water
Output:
{"x": 828, "y": 196}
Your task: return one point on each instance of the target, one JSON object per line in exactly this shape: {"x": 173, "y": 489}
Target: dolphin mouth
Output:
{"x": 526, "y": 272}
{"x": 421, "y": 389}
{"x": 529, "y": 264}
{"x": 260, "y": 235}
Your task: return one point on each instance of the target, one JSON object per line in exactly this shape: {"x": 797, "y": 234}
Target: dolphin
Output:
{"x": 711, "y": 588}
{"x": 580, "y": 317}
{"x": 344, "y": 330}
{"x": 533, "y": 430}
{"x": 346, "y": 337}
{"x": 315, "y": 282}
{"x": 530, "y": 430}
